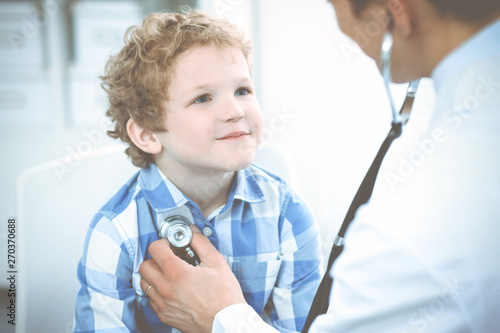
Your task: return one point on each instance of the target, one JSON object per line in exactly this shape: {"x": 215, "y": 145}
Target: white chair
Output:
{"x": 55, "y": 203}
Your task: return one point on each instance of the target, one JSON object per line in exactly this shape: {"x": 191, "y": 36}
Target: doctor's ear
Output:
{"x": 400, "y": 16}
{"x": 144, "y": 139}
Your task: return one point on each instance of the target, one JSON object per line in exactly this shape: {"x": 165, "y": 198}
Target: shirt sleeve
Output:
{"x": 105, "y": 301}
{"x": 301, "y": 269}
{"x": 240, "y": 318}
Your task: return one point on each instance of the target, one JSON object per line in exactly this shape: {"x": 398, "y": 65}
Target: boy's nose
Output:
{"x": 231, "y": 111}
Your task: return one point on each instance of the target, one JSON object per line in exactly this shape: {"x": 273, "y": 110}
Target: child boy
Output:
{"x": 181, "y": 96}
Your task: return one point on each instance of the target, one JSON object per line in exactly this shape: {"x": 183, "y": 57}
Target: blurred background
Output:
{"x": 323, "y": 100}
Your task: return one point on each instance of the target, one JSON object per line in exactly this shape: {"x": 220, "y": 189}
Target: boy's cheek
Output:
{"x": 259, "y": 132}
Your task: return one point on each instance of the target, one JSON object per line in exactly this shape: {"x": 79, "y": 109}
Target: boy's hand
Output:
{"x": 184, "y": 296}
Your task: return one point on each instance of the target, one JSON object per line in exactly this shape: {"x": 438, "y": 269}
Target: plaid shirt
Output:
{"x": 266, "y": 233}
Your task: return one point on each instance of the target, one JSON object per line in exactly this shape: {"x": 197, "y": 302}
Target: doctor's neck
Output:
{"x": 448, "y": 34}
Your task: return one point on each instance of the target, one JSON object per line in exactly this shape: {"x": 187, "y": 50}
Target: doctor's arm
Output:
{"x": 189, "y": 298}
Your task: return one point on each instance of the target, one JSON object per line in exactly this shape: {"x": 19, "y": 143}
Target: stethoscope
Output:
{"x": 385, "y": 68}
{"x": 399, "y": 119}
{"x": 177, "y": 231}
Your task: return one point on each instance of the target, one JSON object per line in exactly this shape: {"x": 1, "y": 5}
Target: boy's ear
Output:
{"x": 401, "y": 12}
{"x": 144, "y": 139}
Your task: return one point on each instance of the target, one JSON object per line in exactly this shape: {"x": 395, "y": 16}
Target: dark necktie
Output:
{"x": 321, "y": 300}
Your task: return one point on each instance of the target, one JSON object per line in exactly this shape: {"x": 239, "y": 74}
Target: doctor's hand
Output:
{"x": 184, "y": 296}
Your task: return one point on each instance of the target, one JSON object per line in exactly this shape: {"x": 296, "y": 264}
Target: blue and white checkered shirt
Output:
{"x": 265, "y": 231}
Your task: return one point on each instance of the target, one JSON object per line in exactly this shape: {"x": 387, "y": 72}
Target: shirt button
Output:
{"x": 207, "y": 231}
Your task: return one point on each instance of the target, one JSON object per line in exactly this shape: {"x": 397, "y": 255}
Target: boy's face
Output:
{"x": 214, "y": 122}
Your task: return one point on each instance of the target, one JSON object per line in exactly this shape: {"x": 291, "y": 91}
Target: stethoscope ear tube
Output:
{"x": 385, "y": 69}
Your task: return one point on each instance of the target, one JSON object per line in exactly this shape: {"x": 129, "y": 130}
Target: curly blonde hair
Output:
{"x": 136, "y": 79}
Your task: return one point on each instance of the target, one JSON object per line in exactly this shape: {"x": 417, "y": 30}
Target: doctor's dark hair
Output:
{"x": 137, "y": 78}
{"x": 466, "y": 10}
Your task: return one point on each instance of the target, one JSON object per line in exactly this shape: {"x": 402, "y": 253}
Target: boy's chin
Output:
{"x": 239, "y": 162}
{"x": 237, "y": 165}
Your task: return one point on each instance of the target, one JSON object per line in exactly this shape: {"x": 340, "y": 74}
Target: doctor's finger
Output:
{"x": 151, "y": 274}
{"x": 145, "y": 286}
{"x": 164, "y": 257}
{"x": 195, "y": 228}
{"x": 208, "y": 254}
{"x": 151, "y": 294}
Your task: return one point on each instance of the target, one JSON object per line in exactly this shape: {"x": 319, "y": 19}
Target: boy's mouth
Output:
{"x": 234, "y": 135}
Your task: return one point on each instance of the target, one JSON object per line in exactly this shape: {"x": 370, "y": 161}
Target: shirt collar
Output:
{"x": 246, "y": 188}
{"x": 479, "y": 47}
{"x": 163, "y": 196}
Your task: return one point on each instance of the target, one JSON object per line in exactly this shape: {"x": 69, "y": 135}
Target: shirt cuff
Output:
{"x": 240, "y": 318}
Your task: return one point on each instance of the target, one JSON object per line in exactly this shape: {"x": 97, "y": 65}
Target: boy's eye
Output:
{"x": 242, "y": 92}
{"x": 201, "y": 99}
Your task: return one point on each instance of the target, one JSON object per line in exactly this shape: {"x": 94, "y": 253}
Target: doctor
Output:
{"x": 423, "y": 255}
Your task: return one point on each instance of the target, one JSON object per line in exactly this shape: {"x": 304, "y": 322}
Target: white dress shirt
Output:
{"x": 424, "y": 254}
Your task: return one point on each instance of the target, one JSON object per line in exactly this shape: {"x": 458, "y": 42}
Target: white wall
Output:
{"x": 323, "y": 101}
{"x": 50, "y": 103}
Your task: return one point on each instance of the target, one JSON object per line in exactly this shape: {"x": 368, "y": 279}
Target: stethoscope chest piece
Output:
{"x": 176, "y": 230}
